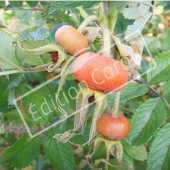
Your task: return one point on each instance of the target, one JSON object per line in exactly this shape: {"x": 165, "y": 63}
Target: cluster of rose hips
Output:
{"x": 97, "y": 72}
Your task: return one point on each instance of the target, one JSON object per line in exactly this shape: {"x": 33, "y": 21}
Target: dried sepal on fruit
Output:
{"x": 82, "y": 112}
{"x": 91, "y": 33}
{"x": 113, "y": 148}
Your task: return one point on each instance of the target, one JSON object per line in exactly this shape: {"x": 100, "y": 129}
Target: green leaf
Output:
{"x": 3, "y": 94}
{"x": 100, "y": 15}
{"x": 122, "y": 23}
{"x": 3, "y": 101}
{"x": 7, "y": 52}
{"x": 148, "y": 118}
{"x": 166, "y": 91}
{"x": 40, "y": 34}
{"x": 139, "y": 24}
{"x": 22, "y": 153}
{"x": 113, "y": 18}
{"x": 59, "y": 154}
{"x": 131, "y": 90}
{"x": 26, "y": 58}
{"x": 130, "y": 10}
{"x": 32, "y": 3}
{"x": 56, "y": 5}
{"x": 35, "y": 106}
{"x": 159, "y": 154}
{"x": 15, "y": 82}
{"x": 4, "y": 83}
{"x": 162, "y": 71}
{"x": 138, "y": 153}
{"x": 11, "y": 97}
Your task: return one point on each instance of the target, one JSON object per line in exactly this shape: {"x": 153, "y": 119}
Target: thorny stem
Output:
{"x": 116, "y": 104}
{"x": 86, "y": 22}
{"x": 157, "y": 93}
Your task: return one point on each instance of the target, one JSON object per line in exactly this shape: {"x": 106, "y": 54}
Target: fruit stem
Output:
{"x": 106, "y": 42}
{"x": 116, "y": 104}
{"x": 86, "y": 22}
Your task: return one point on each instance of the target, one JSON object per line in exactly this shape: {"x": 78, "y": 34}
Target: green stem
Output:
{"x": 106, "y": 13}
{"x": 86, "y": 22}
{"x": 116, "y": 104}
{"x": 106, "y": 42}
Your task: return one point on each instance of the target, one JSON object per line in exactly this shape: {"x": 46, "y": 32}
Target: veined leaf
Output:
{"x": 56, "y": 5}
{"x": 162, "y": 71}
{"x": 22, "y": 153}
{"x": 59, "y": 154}
{"x": 7, "y": 52}
{"x": 159, "y": 154}
{"x": 148, "y": 118}
{"x": 131, "y": 90}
